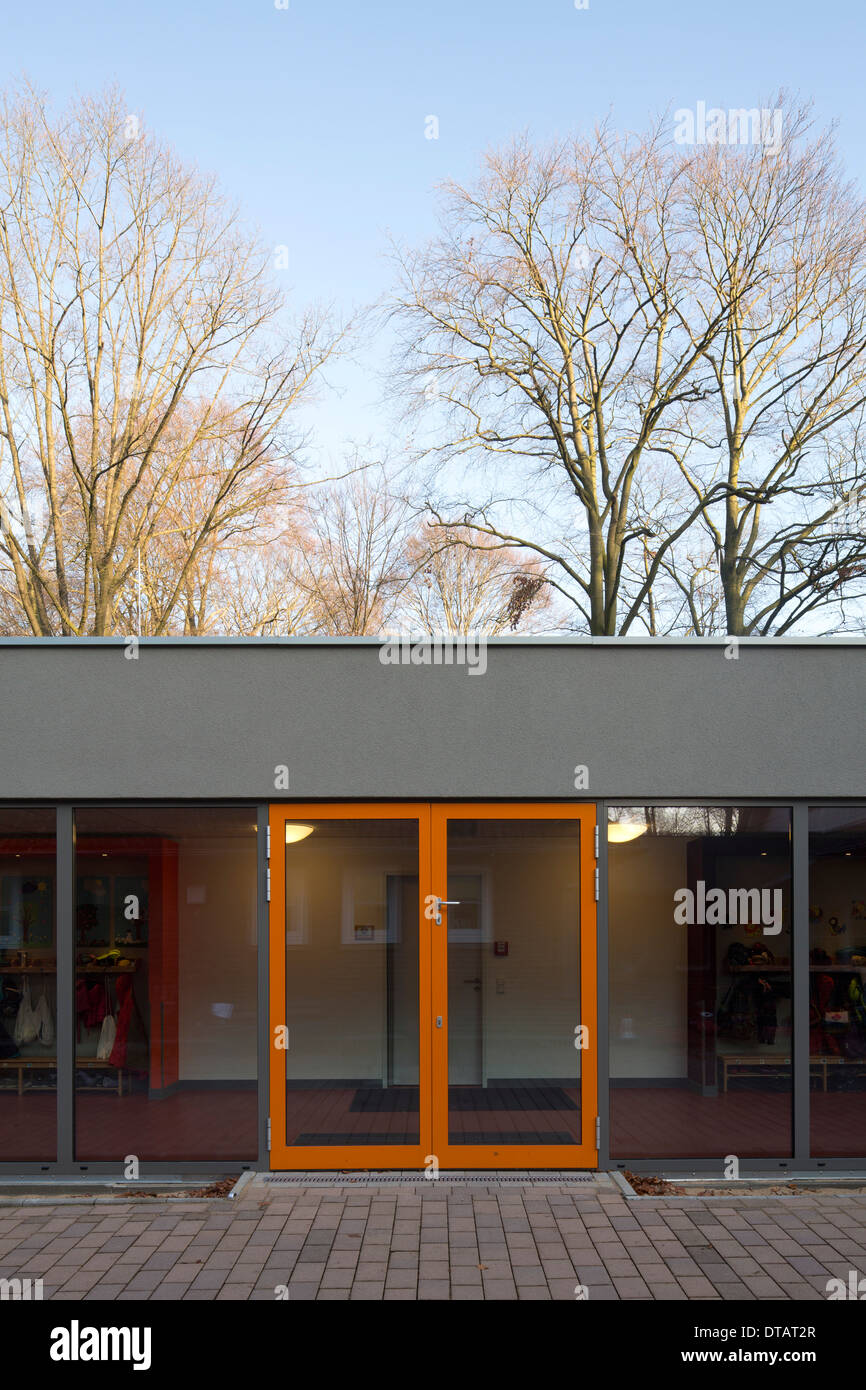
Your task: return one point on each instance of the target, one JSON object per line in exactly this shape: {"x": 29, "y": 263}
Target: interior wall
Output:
{"x": 836, "y": 886}
{"x": 530, "y": 999}
{"x": 648, "y": 959}
{"x": 336, "y": 958}
{"x": 217, "y": 950}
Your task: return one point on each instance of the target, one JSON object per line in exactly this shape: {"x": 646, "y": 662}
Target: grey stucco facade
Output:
{"x": 207, "y": 718}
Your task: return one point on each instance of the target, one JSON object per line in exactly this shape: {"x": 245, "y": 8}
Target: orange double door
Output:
{"x": 433, "y": 986}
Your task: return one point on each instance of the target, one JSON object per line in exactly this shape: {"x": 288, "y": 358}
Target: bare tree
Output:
{"x": 779, "y": 252}
{"x": 544, "y": 322}
{"x": 651, "y": 359}
{"x": 240, "y": 582}
{"x": 144, "y": 364}
{"x": 356, "y": 565}
{"x": 458, "y": 586}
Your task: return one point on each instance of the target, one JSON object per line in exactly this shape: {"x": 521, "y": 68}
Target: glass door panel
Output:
{"x": 517, "y": 1081}
{"x": 348, "y": 1061}
{"x": 513, "y": 982}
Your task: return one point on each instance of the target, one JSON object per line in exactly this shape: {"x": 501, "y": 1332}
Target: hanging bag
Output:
{"x": 44, "y": 1022}
{"x": 26, "y": 1025}
{"x": 107, "y": 1035}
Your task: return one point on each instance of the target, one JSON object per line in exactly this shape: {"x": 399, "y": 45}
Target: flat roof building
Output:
{"x": 528, "y": 902}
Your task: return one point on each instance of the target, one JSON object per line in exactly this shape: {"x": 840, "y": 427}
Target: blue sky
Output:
{"x": 313, "y": 116}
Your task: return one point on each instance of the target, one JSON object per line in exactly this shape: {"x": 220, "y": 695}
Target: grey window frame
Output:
{"x": 65, "y": 1164}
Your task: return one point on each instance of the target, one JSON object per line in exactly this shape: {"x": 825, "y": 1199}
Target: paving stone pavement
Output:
{"x": 437, "y": 1240}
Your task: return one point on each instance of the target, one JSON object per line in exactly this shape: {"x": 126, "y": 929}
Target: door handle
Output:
{"x": 444, "y": 902}
{"x": 472, "y": 982}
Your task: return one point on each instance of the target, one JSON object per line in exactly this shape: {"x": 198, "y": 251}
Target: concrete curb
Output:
{"x": 821, "y": 1192}
{"x": 243, "y": 1181}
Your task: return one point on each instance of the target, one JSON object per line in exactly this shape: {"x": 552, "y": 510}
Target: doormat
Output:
{"x": 390, "y": 1100}
{"x": 511, "y": 1136}
{"x": 455, "y": 1179}
{"x": 475, "y": 1136}
{"x": 331, "y": 1141}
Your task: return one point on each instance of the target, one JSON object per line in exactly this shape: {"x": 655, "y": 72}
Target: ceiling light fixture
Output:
{"x": 294, "y": 833}
{"x": 621, "y": 832}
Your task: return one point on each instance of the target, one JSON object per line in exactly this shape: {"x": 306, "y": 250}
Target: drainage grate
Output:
{"x": 391, "y": 1179}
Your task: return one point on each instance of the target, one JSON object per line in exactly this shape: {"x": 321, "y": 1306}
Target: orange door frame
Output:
{"x": 433, "y": 1146}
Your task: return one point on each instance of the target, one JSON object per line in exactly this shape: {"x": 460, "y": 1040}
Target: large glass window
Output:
{"x": 28, "y": 986}
{"x": 700, "y": 981}
{"x": 165, "y": 998}
{"x": 837, "y": 980}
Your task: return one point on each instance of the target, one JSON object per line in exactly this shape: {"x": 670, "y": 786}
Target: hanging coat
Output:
{"x": 123, "y": 990}
{"x": 7, "y": 1046}
{"x": 97, "y": 1008}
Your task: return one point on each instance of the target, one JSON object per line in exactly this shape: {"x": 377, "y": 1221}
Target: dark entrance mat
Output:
{"x": 393, "y": 1100}
{"x": 466, "y": 1099}
{"x": 514, "y": 1136}
{"x": 331, "y": 1141}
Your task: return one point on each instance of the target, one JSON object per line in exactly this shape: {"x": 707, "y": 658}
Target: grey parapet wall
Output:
{"x": 204, "y": 718}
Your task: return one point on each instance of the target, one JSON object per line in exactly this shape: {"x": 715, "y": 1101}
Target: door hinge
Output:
{"x": 269, "y": 843}
{"x": 596, "y": 842}
{"x": 597, "y": 1132}
{"x": 269, "y": 885}
{"x": 269, "y": 1134}
{"x": 596, "y": 885}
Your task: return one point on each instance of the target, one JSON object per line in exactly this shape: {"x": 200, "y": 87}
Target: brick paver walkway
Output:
{"x": 439, "y": 1240}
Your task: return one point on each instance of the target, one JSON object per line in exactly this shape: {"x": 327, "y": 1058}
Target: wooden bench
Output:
{"x": 752, "y": 1066}
{"x": 36, "y": 1064}
{"x": 779, "y": 1066}
{"x": 826, "y": 1062}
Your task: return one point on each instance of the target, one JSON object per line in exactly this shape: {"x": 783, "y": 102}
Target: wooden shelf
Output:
{"x": 28, "y": 969}
{"x": 107, "y": 946}
{"x": 80, "y": 969}
{"x": 758, "y": 969}
{"x": 836, "y": 969}
{"x": 786, "y": 969}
